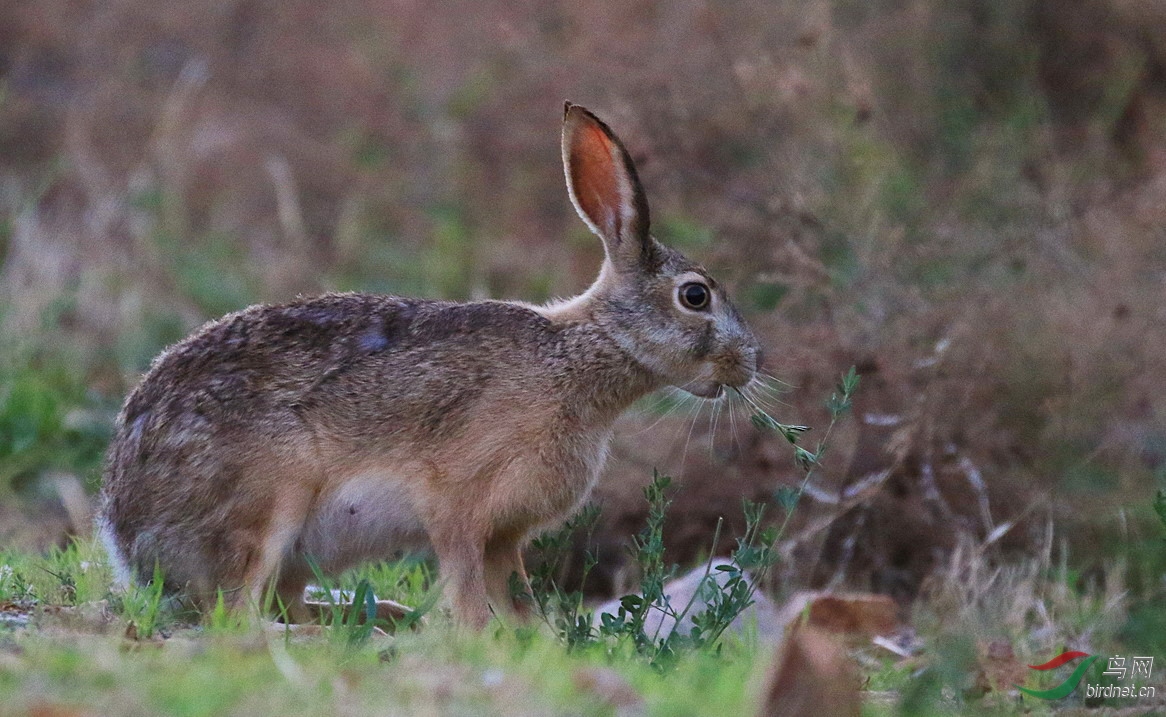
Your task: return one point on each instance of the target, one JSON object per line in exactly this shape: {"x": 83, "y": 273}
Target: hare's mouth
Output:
{"x": 704, "y": 389}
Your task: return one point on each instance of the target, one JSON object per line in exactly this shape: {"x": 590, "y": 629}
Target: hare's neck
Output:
{"x": 605, "y": 378}
{"x": 605, "y": 375}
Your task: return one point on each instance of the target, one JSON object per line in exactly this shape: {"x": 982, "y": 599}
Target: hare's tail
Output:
{"x": 117, "y": 560}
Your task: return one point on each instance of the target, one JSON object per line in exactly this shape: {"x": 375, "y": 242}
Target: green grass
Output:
{"x": 79, "y": 652}
{"x": 437, "y": 671}
{"x": 75, "y": 652}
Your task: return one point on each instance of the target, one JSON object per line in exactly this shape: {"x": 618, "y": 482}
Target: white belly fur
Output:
{"x": 370, "y": 517}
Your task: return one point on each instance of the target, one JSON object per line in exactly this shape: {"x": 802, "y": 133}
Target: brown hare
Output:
{"x": 343, "y": 428}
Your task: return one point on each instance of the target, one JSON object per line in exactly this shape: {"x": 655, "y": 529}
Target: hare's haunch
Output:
{"x": 347, "y": 427}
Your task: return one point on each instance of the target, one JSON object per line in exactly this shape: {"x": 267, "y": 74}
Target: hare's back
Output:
{"x": 270, "y": 369}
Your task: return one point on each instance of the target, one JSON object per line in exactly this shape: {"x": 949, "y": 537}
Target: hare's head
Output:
{"x": 658, "y": 305}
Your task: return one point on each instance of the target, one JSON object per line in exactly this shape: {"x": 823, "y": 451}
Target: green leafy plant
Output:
{"x": 561, "y": 609}
{"x": 725, "y": 590}
{"x": 838, "y": 405}
{"x": 648, "y": 551}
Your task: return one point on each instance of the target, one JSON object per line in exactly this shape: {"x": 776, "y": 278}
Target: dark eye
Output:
{"x": 694, "y": 295}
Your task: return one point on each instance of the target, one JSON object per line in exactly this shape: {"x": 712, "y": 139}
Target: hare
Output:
{"x": 318, "y": 434}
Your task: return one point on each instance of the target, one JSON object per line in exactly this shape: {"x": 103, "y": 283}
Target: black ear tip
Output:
{"x": 570, "y": 108}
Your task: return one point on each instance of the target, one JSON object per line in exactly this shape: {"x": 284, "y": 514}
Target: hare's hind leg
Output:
{"x": 271, "y": 583}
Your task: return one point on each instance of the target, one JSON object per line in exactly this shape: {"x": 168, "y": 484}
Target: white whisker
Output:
{"x": 750, "y": 400}
{"x": 716, "y": 417}
{"x": 674, "y": 402}
{"x": 762, "y": 395}
{"x": 761, "y": 388}
{"x": 733, "y": 425}
{"x": 773, "y": 381}
{"x": 691, "y": 427}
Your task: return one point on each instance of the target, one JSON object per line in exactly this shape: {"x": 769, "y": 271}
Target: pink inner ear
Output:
{"x": 593, "y": 176}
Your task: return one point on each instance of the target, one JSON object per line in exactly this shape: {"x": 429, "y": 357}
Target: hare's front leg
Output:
{"x": 461, "y": 560}
{"x": 503, "y": 559}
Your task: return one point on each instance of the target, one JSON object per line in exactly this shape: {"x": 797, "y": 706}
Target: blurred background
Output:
{"x": 965, "y": 200}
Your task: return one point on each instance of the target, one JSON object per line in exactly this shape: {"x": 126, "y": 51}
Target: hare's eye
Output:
{"x": 694, "y": 295}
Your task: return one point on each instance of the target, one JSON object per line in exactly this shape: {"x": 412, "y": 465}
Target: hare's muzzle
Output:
{"x": 736, "y": 366}
{"x": 735, "y": 374}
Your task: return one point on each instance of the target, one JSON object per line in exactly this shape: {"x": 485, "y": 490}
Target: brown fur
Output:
{"x": 345, "y": 427}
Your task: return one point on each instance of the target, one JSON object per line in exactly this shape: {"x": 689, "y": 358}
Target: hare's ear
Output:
{"x": 605, "y": 190}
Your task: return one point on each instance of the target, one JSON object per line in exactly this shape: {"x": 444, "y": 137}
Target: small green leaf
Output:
{"x": 849, "y": 382}
{"x": 837, "y": 405}
{"x": 631, "y": 603}
{"x": 765, "y": 422}
{"x": 791, "y": 433}
{"x": 805, "y": 459}
{"x": 787, "y": 497}
{"x": 839, "y": 402}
